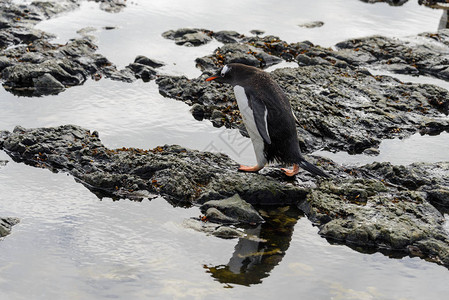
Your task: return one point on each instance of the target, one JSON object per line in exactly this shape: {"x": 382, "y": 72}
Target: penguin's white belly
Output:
{"x": 250, "y": 124}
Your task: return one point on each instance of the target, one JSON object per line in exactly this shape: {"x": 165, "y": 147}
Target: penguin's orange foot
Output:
{"x": 292, "y": 172}
{"x": 249, "y": 169}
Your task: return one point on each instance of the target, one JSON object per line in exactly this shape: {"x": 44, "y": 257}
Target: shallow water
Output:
{"x": 71, "y": 245}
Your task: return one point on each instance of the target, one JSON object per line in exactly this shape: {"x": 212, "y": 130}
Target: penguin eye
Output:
{"x": 225, "y": 70}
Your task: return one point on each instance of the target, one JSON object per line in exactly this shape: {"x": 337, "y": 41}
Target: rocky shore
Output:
{"x": 339, "y": 104}
{"x": 378, "y": 205}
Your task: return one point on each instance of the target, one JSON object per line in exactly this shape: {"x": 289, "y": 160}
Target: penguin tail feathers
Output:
{"x": 312, "y": 169}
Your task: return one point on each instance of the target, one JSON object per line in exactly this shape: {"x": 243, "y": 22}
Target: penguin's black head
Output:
{"x": 224, "y": 75}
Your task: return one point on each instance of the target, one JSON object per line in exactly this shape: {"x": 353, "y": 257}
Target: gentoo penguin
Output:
{"x": 268, "y": 118}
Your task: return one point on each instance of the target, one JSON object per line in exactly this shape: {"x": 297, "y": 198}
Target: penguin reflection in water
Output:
{"x": 268, "y": 118}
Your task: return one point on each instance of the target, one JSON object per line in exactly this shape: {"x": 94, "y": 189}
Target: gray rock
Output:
{"x": 210, "y": 228}
{"x": 439, "y": 195}
{"x": 197, "y": 111}
{"x": 313, "y": 24}
{"x": 24, "y": 65}
{"x": 385, "y": 206}
{"x": 143, "y": 60}
{"x": 404, "y": 57}
{"x": 236, "y": 53}
{"x": 189, "y": 36}
{"x": 6, "y": 225}
{"x": 380, "y": 205}
{"x": 231, "y": 210}
{"x": 181, "y": 175}
{"x": 144, "y": 72}
{"x": 47, "y": 84}
{"x": 355, "y": 111}
{"x": 257, "y": 32}
{"x": 226, "y": 36}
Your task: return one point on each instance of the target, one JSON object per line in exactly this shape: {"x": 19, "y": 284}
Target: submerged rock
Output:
{"x": 6, "y": 225}
{"x": 143, "y": 60}
{"x": 231, "y": 210}
{"x": 215, "y": 229}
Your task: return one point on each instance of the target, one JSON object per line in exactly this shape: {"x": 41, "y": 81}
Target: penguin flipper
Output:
{"x": 260, "y": 114}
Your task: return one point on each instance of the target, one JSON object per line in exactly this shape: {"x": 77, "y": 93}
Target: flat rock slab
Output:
{"x": 425, "y": 54}
{"x": 379, "y": 206}
{"x": 182, "y": 175}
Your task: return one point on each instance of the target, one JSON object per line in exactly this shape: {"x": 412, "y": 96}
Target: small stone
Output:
{"x": 148, "y": 61}
{"x": 313, "y": 24}
{"x": 197, "y": 111}
{"x": 6, "y": 224}
{"x": 257, "y": 31}
{"x": 371, "y": 151}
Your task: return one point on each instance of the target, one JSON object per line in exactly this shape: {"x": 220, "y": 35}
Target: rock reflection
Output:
{"x": 253, "y": 259}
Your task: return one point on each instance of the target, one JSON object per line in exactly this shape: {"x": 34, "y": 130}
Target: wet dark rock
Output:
{"x": 260, "y": 249}
{"x": 232, "y": 210}
{"x": 144, "y": 72}
{"x": 6, "y": 225}
{"x": 390, "y": 2}
{"x": 227, "y": 36}
{"x": 197, "y": 111}
{"x": 439, "y": 195}
{"x": 111, "y": 6}
{"x": 198, "y": 37}
{"x": 189, "y": 36}
{"x": 385, "y": 206}
{"x": 35, "y": 67}
{"x": 425, "y": 54}
{"x": 313, "y": 24}
{"x": 215, "y": 229}
{"x": 182, "y": 175}
{"x": 47, "y": 84}
{"x": 143, "y": 60}
{"x": 336, "y": 108}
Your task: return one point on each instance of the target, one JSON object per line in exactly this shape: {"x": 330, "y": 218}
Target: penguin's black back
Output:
{"x": 284, "y": 146}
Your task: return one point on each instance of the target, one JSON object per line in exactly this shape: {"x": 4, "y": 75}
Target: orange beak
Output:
{"x": 211, "y": 78}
